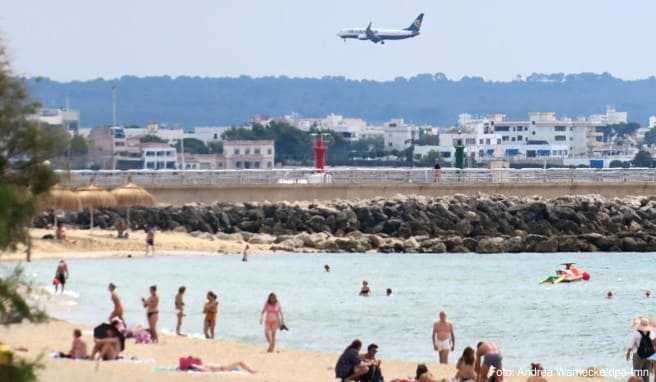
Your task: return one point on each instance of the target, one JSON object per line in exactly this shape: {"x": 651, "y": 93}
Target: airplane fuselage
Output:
{"x": 376, "y": 35}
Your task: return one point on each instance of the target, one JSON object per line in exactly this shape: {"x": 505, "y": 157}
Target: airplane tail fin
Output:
{"x": 416, "y": 25}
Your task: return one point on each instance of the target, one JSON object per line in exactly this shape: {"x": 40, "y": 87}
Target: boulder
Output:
{"x": 262, "y": 238}
{"x": 491, "y": 245}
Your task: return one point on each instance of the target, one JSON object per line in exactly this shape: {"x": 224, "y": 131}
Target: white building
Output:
{"x": 147, "y": 156}
{"x": 169, "y": 134}
{"x": 612, "y": 117}
{"x": 244, "y": 154}
{"x": 208, "y": 134}
{"x": 66, "y": 118}
{"x": 399, "y": 135}
{"x": 652, "y": 121}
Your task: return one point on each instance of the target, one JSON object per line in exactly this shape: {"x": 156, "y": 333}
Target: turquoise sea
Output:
{"x": 487, "y": 297}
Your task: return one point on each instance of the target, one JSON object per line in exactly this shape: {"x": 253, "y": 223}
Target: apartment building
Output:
{"x": 65, "y": 118}
{"x": 246, "y": 154}
{"x": 399, "y": 135}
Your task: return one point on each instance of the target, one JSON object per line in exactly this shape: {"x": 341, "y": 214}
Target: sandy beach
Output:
{"x": 286, "y": 365}
{"x": 103, "y": 243}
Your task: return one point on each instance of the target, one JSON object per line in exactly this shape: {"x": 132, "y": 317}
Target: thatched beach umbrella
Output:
{"x": 132, "y": 195}
{"x": 93, "y": 196}
{"x": 60, "y": 198}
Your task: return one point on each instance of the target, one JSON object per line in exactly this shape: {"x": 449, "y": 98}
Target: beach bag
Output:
{"x": 185, "y": 363}
{"x": 646, "y": 347}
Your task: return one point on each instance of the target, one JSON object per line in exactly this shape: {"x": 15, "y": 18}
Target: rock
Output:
{"x": 410, "y": 245}
{"x": 491, "y": 245}
{"x": 433, "y": 246}
{"x": 289, "y": 245}
{"x": 229, "y": 236}
{"x": 262, "y": 239}
{"x": 459, "y": 249}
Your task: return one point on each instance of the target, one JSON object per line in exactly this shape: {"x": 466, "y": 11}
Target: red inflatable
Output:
{"x": 586, "y": 276}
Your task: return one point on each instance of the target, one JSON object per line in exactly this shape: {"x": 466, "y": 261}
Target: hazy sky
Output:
{"x": 496, "y": 39}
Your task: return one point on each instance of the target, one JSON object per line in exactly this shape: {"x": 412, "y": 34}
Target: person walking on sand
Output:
{"x": 150, "y": 241}
{"x": 641, "y": 344}
{"x": 444, "y": 340}
{"x": 211, "y": 311}
{"x": 273, "y": 320}
{"x": 118, "y": 306}
{"x": 61, "y": 275}
{"x": 179, "y": 309}
{"x": 488, "y": 356}
{"x": 151, "y": 304}
{"x": 244, "y": 254}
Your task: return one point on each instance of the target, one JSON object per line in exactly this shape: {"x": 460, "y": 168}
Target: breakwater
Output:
{"x": 459, "y": 223}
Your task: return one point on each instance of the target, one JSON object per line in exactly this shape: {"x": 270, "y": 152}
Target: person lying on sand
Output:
{"x": 78, "y": 347}
{"x": 239, "y": 365}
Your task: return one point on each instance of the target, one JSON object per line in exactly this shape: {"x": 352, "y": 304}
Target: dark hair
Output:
{"x": 60, "y": 223}
{"x": 77, "y": 333}
{"x": 389, "y": 291}
{"x": 112, "y": 286}
{"x": 211, "y": 294}
{"x": 537, "y": 369}
{"x": 182, "y": 289}
{"x": 355, "y": 345}
{"x": 421, "y": 369}
{"x": 153, "y": 288}
{"x": 478, "y": 345}
{"x": 468, "y": 356}
{"x": 372, "y": 347}
{"x": 272, "y": 295}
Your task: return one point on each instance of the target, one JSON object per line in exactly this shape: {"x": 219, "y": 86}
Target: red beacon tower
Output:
{"x": 319, "y": 153}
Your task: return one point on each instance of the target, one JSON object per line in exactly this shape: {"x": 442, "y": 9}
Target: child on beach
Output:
{"x": 152, "y": 313}
{"x": 211, "y": 311}
{"x": 78, "y": 347}
{"x": 179, "y": 309}
{"x": 273, "y": 319}
{"x": 60, "y": 232}
{"x": 150, "y": 241}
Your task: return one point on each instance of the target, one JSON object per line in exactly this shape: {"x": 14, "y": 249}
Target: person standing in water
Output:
{"x": 273, "y": 319}
{"x": 118, "y": 306}
{"x": 326, "y": 268}
{"x": 244, "y": 254}
{"x": 179, "y": 309}
{"x": 150, "y": 241}
{"x": 151, "y": 304}
{"x": 211, "y": 311}
{"x": 61, "y": 275}
{"x": 444, "y": 340}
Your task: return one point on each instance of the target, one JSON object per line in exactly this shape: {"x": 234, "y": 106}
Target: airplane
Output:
{"x": 380, "y": 35}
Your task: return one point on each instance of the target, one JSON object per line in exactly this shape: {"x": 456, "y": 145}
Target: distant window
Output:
{"x": 216, "y": 136}
{"x": 256, "y": 164}
{"x": 257, "y": 151}
{"x": 150, "y": 165}
{"x": 513, "y": 139}
{"x": 160, "y": 153}
{"x": 269, "y": 165}
{"x": 247, "y": 164}
{"x": 560, "y": 128}
{"x": 502, "y": 128}
{"x": 237, "y": 152}
{"x": 446, "y": 154}
{"x": 487, "y": 141}
{"x": 533, "y": 133}
{"x": 560, "y": 138}
{"x": 480, "y": 141}
{"x": 505, "y": 138}
{"x": 238, "y": 164}
{"x": 150, "y": 154}
{"x": 247, "y": 151}
{"x": 519, "y": 137}
{"x": 170, "y": 165}
{"x": 269, "y": 151}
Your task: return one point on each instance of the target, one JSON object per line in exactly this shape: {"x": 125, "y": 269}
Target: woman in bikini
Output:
{"x": 211, "y": 311}
{"x": 179, "y": 309}
{"x": 465, "y": 366}
{"x": 152, "y": 311}
{"x": 272, "y": 318}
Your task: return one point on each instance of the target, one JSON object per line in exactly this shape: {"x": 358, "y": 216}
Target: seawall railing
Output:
{"x": 357, "y": 176}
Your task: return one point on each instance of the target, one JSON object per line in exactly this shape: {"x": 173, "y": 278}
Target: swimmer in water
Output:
{"x": 388, "y": 292}
{"x": 365, "y": 291}
{"x": 647, "y": 293}
{"x": 326, "y": 267}
{"x": 609, "y": 295}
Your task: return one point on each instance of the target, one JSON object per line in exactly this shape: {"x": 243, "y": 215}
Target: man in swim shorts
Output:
{"x": 444, "y": 340}
{"x": 61, "y": 275}
{"x": 488, "y": 356}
